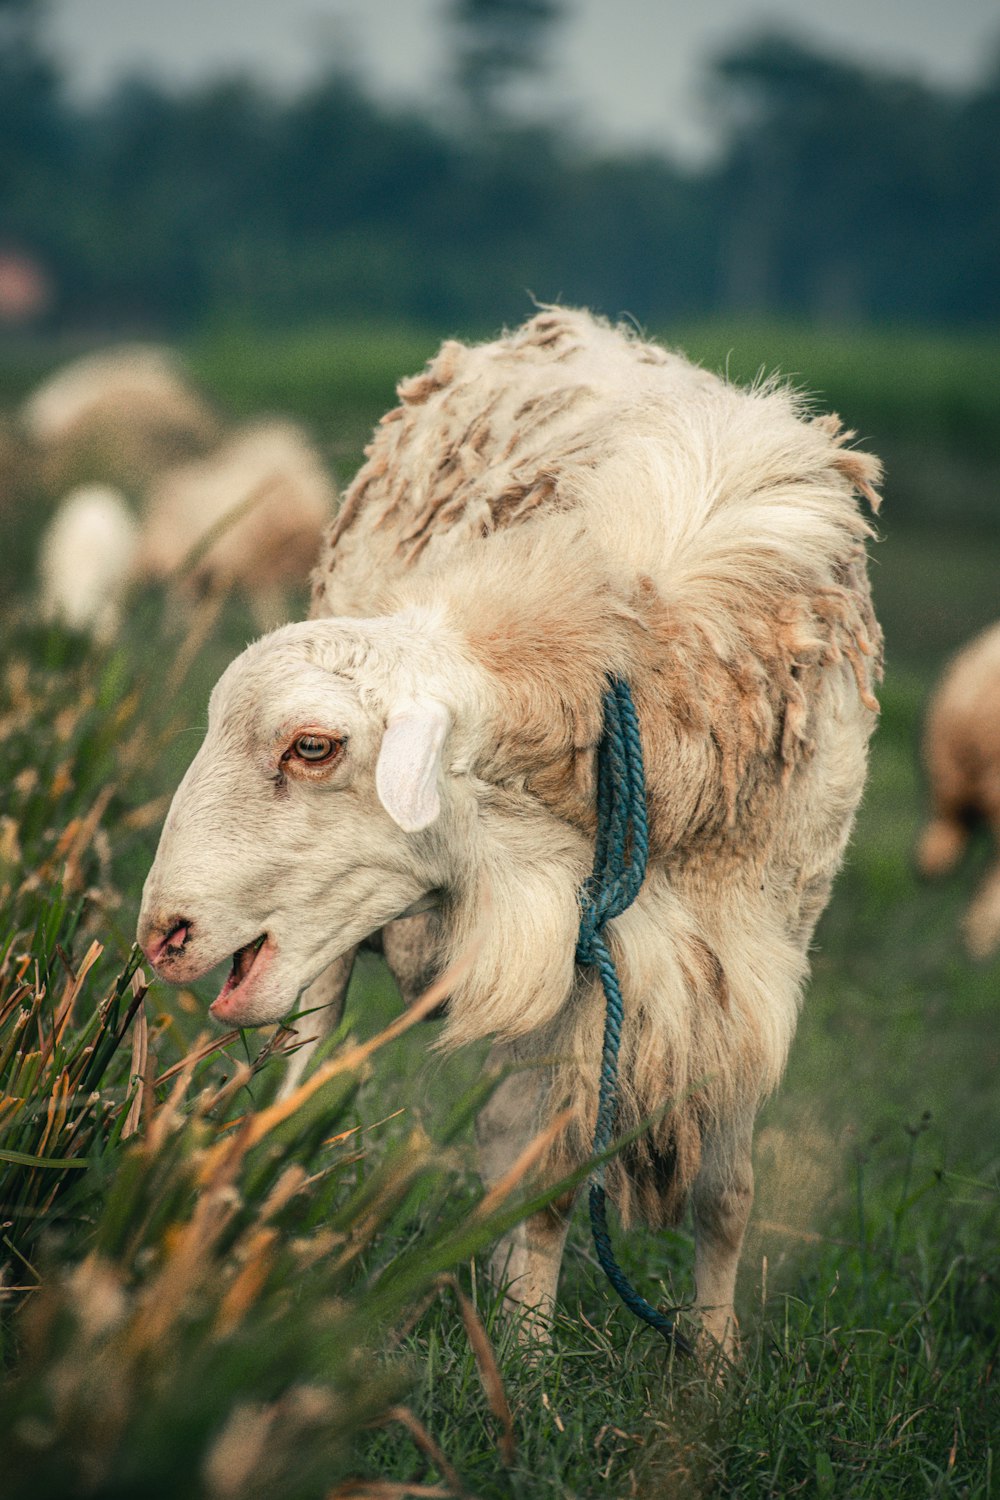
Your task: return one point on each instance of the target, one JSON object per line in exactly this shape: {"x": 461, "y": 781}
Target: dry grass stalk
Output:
{"x": 140, "y": 1061}
{"x": 415, "y": 1154}
{"x": 67, "y": 1004}
{"x": 489, "y": 1370}
{"x": 388, "y": 1489}
{"x": 427, "y": 1446}
{"x": 202, "y": 624}
{"x": 535, "y": 1150}
{"x": 352, "y": 1058}
{"x": 204, "y": 1046}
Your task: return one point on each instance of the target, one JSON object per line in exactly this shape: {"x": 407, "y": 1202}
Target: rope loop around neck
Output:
{"x": 622, "y": 844}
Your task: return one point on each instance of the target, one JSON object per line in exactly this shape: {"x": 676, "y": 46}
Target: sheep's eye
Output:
{"x": 313, "y": 749}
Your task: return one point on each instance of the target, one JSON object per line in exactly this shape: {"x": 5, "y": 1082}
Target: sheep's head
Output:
{"x": 316, "y": 810}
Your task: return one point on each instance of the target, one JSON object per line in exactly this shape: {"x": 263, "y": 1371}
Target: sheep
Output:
{"x": 961, "y": 754}
{"x": 564, "y": 505}
{"x": 271, "y": 485}
{"x": 119, "y": 415}
{"x": 85, "y": 559}
{"x": 250, "y": 515}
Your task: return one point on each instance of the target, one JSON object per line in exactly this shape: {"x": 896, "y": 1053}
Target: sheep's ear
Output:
{"x": 406, "y": 775}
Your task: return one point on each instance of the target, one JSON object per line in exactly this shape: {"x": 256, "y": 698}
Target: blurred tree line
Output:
{"x": 840, "y": 194}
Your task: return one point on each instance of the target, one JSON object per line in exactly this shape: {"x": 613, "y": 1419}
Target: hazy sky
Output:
{"x": 628, "y": 71}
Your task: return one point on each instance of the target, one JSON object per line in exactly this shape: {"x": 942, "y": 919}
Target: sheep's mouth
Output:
{"x": 248, "y": 962}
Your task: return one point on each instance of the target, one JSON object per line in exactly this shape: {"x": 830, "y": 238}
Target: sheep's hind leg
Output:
{"x": 526, "y": 1261}
{"x": 721, "y": 1200}
{"x": 954, "y": 805}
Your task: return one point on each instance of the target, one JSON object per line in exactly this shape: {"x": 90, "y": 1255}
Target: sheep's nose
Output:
{"x": 166, "y": 940}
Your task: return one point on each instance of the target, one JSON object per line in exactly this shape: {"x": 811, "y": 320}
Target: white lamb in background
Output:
{"x": 259, "y": 504}
{"x": 119, "y": 415}
{"x": 961, "y": 752}
{"x": 85, "y": 560}
{"x": 540, "y": 512}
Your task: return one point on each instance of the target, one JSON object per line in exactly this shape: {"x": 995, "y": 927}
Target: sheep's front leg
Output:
{"x": 721, "y": 1202}
{"x": 410, "y": 947}
{"x": 526, "y": 1260}
{"x": 325, "y": 999}
{"x": 981, "y": 923}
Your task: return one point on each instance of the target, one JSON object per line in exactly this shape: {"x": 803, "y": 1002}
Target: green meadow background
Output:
{"x": 154, "y": 1345}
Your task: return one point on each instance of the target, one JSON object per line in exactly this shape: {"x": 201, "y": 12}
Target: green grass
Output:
{"x": 869, "y": 1291}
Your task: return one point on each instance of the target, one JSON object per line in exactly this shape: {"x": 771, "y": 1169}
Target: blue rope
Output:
{"x": 622, "y": 847}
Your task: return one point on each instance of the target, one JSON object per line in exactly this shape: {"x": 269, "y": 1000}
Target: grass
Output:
{"x": 179, "y": 1253}
{"x": 192, "y": 1327}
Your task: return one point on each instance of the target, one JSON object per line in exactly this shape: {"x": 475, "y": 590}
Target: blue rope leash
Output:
{"x": 622, "y": 847}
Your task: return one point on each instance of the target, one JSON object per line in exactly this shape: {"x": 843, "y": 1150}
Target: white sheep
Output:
{"x": 961, "y": 753}
{"x": 86, "y": 557}
{"x": 120, "y": 415}
{"x": 249, "y": 515}
{"x": 565, "y": 503}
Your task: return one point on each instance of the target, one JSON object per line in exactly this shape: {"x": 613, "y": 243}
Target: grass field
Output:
{"x": 264, "y": 1317}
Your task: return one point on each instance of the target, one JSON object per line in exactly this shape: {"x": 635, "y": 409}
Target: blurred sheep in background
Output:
{"x": 961, "y": 753}
{"x": 87, "y": 554}
{"x": 213, "y": 512}
{"x": 248, "y": 517}
{"x": 118, "y": 416}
